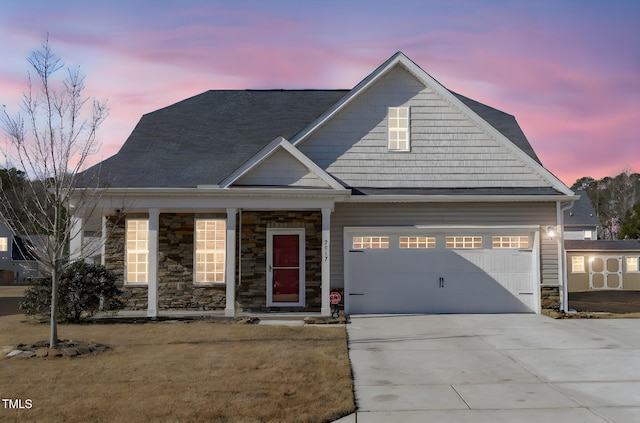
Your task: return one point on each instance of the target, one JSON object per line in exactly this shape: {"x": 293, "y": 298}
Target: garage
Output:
{"x": 390, "y": 270}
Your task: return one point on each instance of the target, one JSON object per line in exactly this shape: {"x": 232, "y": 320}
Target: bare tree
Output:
{"x": 50, "y": 141}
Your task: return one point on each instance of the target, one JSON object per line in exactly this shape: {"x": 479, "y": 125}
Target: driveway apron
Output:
{"x": 494, "y": 368}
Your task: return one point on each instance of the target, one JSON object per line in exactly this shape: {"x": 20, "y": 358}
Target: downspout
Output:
{"x": 562, "y": 262}
{"x": 239, "y": 248}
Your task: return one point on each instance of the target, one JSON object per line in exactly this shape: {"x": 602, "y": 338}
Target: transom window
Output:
{"x": 370, "y": 242}
{"x": 210, "y": 240}
{"x": 4, "y": 243}
{"x": 464, "y": 242}
{"x": 414, "y": 242}
{"x": 517, "y": 241}
{"x": 137, "y": 254}
{"x": 577, "y": 264}
{"x": 398, "y": 123}
{"x": 632, "y": 264}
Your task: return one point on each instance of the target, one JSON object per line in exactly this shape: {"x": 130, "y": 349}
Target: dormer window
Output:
{"x": 398, "y": 124}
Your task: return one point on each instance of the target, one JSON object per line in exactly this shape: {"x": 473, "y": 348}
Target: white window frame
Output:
{"x": 407, "y": 242}
{"x": 587, "y": 234}
{"x": 370, "y": 242}
{"x": 209, "y": 255}
{"x": 635, "y": 268}
{"x": 510, "y": 242}
{"x": 463, "y": 242}
{"x": 141, "y": 248}
{"x": 578, "y": 264}
{"x": 4, "y": 243}
{"x": 398, "y": 129}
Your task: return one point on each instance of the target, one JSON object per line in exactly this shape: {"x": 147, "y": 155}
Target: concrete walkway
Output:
{"x": 494, "y": 368}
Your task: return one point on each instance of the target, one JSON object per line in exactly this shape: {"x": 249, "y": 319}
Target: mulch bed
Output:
{"x": 605, "y": 301}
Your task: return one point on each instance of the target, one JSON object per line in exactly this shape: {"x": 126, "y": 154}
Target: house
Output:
{"x": 399, "y": 193}
{"x": 17, "y": 265}
{"x": 581, "y": 221}
{"x": 603, "y": 265}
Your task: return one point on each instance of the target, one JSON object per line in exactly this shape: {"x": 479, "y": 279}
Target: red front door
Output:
{"x": 286, "y": 268}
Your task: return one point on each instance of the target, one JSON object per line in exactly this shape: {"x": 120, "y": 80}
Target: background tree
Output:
{"x": 50, "y": 140}
{"x": 612, "y": 198}
{"x": 630, "y": 224}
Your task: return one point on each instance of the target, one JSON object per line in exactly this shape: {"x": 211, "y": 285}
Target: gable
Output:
{"x": 281, "y": 169}
{"x": 449, "y": 148}
{"x": 280, "y": 164}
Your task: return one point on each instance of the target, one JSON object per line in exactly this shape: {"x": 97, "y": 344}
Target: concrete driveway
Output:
{"x": 494, "y": 368}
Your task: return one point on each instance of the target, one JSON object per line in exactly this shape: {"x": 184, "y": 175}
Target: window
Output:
{"x": 464, "y": 242}
{"x": 4, "y": 243}
{"x": 370, "y": 242}
{"x": 511, "y": 241}
{"x": 210, "y": 237}
{"x": 413, "y": 242}
{"x": 137, "y": 254}
{"x": 398, "y": 123}
{"x": 587, "y": 234}
{"x": 577, "y": 264}
{"x": 632, "y": 264}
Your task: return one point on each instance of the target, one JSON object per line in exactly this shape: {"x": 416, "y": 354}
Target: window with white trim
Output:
{"x": 511, "y": 241}
{"x": 370, "y": 242}
{"x": 632, "y": 264}
{"x": 4, "y": 243}
{"x": 587, "y": 234}
{"x": 464, "y": 242}
{"x": 137, "y": 250}
{"x": 210, "y": 245}
{"x": 577, "y": 264}
{"x": 416, "y": 242}
{"x": 398, "y": 126}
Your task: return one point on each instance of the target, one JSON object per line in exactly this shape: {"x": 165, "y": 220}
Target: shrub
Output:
{"x": 84, "y": 290}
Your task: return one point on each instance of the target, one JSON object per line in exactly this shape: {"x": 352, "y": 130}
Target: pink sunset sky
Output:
{"x": 569, "y": 70}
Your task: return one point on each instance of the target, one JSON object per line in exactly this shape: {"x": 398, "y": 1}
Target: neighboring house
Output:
{"x": 581, "y": 221}
{"x": 17, "y": 266}
{"x": 603, "y": 264}
{"x": 401, "y": 194}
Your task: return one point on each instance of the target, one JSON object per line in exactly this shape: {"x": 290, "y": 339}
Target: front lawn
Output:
{"x": 180, "y": 371}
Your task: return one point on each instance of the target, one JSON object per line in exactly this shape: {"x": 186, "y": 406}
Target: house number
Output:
{"x": 326, "y": 250}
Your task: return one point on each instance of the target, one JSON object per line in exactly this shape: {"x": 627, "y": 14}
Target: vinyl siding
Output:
{"x": 281, "y": 169}
{"x": 448, "y": 149}
{"x": 442, "y": 214}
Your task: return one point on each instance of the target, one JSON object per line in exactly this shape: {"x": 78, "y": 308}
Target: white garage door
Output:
{"x": 444, "y": 273}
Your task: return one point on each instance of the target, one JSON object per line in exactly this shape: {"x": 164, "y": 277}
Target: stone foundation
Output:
{"x": 550, "y": 298}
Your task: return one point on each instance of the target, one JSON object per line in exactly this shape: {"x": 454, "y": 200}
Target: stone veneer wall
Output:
{"x": 176, "y": 289}
{"x": 252, "y": 292}
{"x": 135, "y": 296}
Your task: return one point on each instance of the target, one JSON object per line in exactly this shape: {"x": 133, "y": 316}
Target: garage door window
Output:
{"x": 370, "y": 242}
{"x": 632, "y": 264}
{"x": 464, "y": 242}
{"x": 510, "y": 242}
{"x": 417, "y": 242}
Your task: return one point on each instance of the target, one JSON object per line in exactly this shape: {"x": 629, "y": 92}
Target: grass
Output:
{"x": 181, "y": 371}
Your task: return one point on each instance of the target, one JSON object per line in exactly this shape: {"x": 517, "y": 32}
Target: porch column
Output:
{"x": 76, "y": 238}
{"x": 152, "y": 292}
{"x": 230, "y": 263}
{"x": 326, "y": 261}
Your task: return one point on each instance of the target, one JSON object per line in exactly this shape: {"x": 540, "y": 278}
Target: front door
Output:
{"x": 285, "y": 267}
